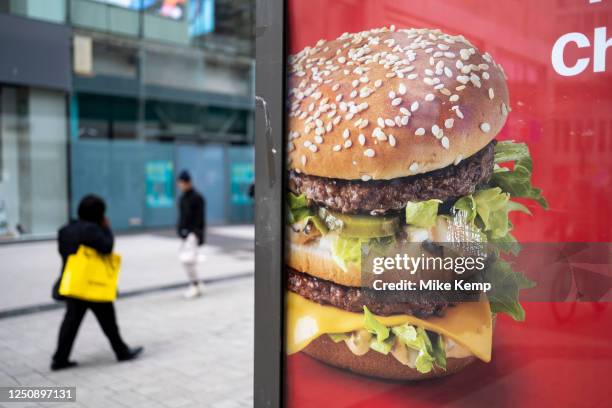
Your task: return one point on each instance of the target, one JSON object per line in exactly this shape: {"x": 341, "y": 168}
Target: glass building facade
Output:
{"x": 114, "y": 97}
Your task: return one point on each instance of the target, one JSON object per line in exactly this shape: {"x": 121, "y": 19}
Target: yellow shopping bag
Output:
{"x": 91, "y": 276}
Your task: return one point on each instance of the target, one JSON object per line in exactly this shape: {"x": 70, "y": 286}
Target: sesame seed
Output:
{"x": 339, "y": 98}
{"x": 353, "y": 94}
{"x": 504, "y": 109}
{"x": 392, "y": 140}
{"x": 369, "y": 153}
{"x": 435, "y": 129}
{"x": 460, "y": 88}
{"x": 396, "y": 101}
{"x": 414, "y": 106}
{"x": 463, "y": 79}
{"x": 346, "y": 133}
{"x": 378, "y": 83}
{"x": 347, "y": 144}
{"x": 313, "y": 148}
{"x": 366, "y": 177}
{"x": 405, "y": 111}
{"x": 318, "y": 139}
{"x": 414, "y": 167}
{"x": 402, "y": 89}
{"x": 454, "y": 98}
{"x": 448, "y": 72}
{"x": 381, "y": 122}
{"x": 475, "y": 80}
{"x": 335, "y": 87}
{"x": 355, "y": 83}
{"x": 303, "y": 160}
{"x": 485, "y": 127}
{"x": 445, "y": 92}
{"x": 361, "y": 139}
{"x": 412, "y": 76}
{"x": 459, "y": 113}
{"x": 379, "y": 134}
{"x": 448, "y": 123}
{"x": 389, "y": 122}
{"x": 429, "y": 97}
{"x": 485, "y": 75}
{"x": 404, "y": 120}
{"x": 419, "y": 132}
{"x": 337, "y": 148}
{"x": 364, "y": 123}
{"x": 491, "y": 93}
{"x": 445, "y": 142}
{"x": 391, "y": 95}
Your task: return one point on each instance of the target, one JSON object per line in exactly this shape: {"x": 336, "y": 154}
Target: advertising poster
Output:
{"x": 449, "y": 185}
{"x": 159, "y": 184}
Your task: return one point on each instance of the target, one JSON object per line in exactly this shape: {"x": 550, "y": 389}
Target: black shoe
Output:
{"x": 62, "y": 365}
{"x": 130, "y": 354}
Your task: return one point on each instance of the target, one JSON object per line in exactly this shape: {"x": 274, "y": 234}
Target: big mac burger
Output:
{"x": 390, "y": 140}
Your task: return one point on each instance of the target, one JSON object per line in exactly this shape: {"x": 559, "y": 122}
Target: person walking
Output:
{"x": 91, "y": 229}
{"x": 191, "y": 228}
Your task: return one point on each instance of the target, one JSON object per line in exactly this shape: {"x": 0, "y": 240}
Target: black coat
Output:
{"x": 192, "y": 215}
{"x": 77, "y": 233}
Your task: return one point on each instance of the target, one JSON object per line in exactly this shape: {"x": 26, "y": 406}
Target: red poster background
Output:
{"x": 562, "y": 354}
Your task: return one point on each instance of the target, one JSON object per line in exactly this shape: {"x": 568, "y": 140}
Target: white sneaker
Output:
{"x": 193, "y": 291}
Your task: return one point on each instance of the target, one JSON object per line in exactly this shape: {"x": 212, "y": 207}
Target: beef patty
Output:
{"x": 380, "y": 196}
{"x": 353, "y": 299}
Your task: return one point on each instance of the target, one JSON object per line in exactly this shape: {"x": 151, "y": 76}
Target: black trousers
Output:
{"x": 75, "y": 311}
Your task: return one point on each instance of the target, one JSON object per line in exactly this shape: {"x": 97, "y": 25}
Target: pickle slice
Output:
{"x": 360, "y": 226}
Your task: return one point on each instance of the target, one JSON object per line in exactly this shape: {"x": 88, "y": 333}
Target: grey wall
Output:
{"x": 34, "y": 53}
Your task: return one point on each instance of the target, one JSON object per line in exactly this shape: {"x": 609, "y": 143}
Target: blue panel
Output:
{"x": 162, "y": 211}
{"x": 89, "y": 170}
{"x": 207, "y": 167}
{"x": 241, "y": 177}
{"x": 116, "y": 170}
{"x": 126, "y": 184}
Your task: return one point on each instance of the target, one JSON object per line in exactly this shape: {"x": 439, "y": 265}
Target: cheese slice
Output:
{"x": 468, "y": 324}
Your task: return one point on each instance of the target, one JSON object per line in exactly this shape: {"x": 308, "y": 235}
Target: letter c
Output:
{"x": 558, "y": 64}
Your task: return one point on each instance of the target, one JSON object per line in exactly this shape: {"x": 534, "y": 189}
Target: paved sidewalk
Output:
{"x": 197, "y": 353}
{"x": 28, "y": 270}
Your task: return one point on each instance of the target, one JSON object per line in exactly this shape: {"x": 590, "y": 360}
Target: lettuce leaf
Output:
{"x": 422, "y": 213}
{"x": 417, "y": 339}
{"x": 374, "y": 326}
{"x": 505, "y": 286}
{"x": 298, "y": 211}
{"x": 516, "y": 182}
{"x": 346, "y": 251}
{"x": 439, "y": 351}
{"x": 297, "y": 208}
{"x": 509, "y": 150}
{"x": 488, "y": 209}
{"x": 383, "y": 347}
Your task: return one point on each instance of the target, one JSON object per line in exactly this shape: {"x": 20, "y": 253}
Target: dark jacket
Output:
{"x": 192, "y": 215}
{"x": 77, "y": 233}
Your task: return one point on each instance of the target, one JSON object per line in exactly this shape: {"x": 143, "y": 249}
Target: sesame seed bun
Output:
{"x": 383, "y": 104}
{"x": 375, "y": 364}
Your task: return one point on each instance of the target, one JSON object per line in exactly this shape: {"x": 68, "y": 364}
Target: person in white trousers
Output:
{"x": 191, "y": 228}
